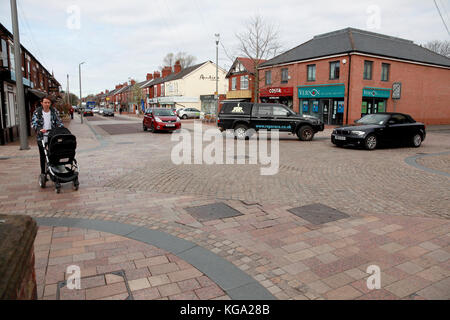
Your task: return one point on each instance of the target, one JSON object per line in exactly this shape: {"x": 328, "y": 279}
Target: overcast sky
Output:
{"x": 122, "y": 39}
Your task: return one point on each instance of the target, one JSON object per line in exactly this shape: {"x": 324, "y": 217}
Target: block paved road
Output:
{"x": 399, "y": 217}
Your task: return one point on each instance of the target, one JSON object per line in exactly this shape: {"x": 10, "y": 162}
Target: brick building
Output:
{"x": 241, "y": 80}
{"x": 37, "y": 82}
{"x": 342, "y": 75}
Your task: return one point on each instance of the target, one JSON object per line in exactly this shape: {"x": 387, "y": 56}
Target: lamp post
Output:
{"x": 217, "y": 73}
{"x": 79, "y": 75}
{"x": 23, "y": 131}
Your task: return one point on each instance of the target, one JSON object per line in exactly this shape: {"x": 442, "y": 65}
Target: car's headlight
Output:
{"x": 158, "y": 119}
{"x": 358, "y": 133}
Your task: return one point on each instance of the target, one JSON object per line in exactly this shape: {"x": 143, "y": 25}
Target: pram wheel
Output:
{"x": 75, "y": 184}
{"x": 57, "y": 187}
{"x": 42, "y": 180}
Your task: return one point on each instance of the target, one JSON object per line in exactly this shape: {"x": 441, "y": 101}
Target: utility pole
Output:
{"x": 23, "y": 132}
{"x": 79, "y": 74}
{"x": 217, "y": 73}
{"x": 67, "y": 92}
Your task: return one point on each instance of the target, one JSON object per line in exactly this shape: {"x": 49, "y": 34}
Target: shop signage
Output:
{"x": 276, "y": 92}
{"x": 210, "y": 77}
{"x": 376, "y": 92}
{"x": 332, "y": 91}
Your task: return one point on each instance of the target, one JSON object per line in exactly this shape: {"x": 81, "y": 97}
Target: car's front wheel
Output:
{"x": 144, "y": 127}
{"x": 305, "y": 133}
{"x": 417, "y": 140}
{"x": 371, "y": 141}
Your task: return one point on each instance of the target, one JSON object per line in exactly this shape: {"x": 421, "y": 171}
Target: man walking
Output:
{"x": 45, "y": 118}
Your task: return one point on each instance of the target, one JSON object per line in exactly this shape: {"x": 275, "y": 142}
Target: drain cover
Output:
{"x": 318, "y": 213}
{"x": 64, "y": 293}
{"x": 212, "y": 211}
{"x": 126, "y": 142}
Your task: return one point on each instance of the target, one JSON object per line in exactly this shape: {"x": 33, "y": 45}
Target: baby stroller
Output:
{"x": 61, "y": 165}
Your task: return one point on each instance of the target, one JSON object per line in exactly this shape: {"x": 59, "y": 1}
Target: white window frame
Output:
{"x": 233, "y": 83}
{"x": 244, "y": 82}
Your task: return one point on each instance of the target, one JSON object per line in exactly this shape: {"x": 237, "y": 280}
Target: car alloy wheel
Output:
{"x": 371, "y": 142}
{"x": 241, "y": 132}
{"x": 184, "y": 117}
{"x": 417, "y": 140}
{"x": 305, "y": 133}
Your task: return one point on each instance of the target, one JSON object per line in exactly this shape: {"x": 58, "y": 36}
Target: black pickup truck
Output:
{"x": 242, "y": 116}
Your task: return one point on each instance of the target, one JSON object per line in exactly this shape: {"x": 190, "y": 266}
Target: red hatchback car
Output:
{"x": 157, "y": 119}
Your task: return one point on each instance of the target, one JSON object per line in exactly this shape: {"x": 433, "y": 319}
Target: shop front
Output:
{"x": 283, "y": 95}
{"x": 325, "y": 102}
{"x": 374, "y": 100}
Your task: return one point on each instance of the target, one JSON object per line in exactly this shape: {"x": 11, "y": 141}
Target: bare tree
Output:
{"x": 441, "y": 47}
{"x": 186, "y": 60}
{"x": 137, "y": 95}
{"x": 259, "y": 41}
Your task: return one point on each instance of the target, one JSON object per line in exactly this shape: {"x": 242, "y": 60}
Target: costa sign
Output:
{"x": 276, "y": 92}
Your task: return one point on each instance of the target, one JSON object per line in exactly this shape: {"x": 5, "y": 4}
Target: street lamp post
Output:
{"x": 79, "y": 75}
{"x": 217, "y": 73}
{"x": 23, "y": 131}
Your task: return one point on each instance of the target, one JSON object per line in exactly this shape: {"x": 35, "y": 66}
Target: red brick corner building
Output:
{"x": 343, "y": 75}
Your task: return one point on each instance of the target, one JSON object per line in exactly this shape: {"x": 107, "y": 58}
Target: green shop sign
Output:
{"x": 326, "y": 91}
{"x": 376, "y": 92}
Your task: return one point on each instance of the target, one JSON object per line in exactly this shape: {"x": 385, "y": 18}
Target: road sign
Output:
{"x": 396, "y": 90}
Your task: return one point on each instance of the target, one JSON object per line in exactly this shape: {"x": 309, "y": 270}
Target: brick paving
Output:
{"x": 399, "y": 217}
{"x": 100, "y": 254}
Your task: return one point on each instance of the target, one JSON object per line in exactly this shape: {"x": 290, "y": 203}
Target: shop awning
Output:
{"x": 37, "y": 93}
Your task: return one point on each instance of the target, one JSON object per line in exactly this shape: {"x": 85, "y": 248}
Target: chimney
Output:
{"x": 106, "y": 91}
{"x": 156, "y": 74}
{"x": 149, "y": 76}
{"x": 177, "y": 66}
{"x": 166, "y": 71}
{"x": 125, "y": 84}
{"x": 133, "y": 82}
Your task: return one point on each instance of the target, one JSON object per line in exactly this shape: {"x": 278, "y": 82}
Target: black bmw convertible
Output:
{"x": 377, "y": 129}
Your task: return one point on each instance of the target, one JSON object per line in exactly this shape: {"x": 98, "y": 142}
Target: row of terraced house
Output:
{"x": 37, "y": 81}
{"x": 337, "y": 77}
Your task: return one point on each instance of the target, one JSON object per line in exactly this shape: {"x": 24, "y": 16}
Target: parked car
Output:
{"x": 160, "y": 119}
{"x": 189, "y": 113}
{"x": 385, "y": 128}
{"x": 95, "y": 110}
{"x": 242, "y": 116}
{"x": 88, "y": 112}
{"x": 108, "y": 112}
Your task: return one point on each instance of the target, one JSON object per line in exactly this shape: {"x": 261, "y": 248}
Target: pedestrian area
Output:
{"x": 137, "y": 227}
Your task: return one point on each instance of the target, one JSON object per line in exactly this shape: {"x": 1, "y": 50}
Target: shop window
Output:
{"x": 284, "y": 75}
{"x": 311, "y": 72}
{"x": 268, "y": 77}
{"x": 334, "y": 70}
{"x": 368, "y": 70}
{"x": 385, "y": 71}
{"x": 244, "y": 82}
